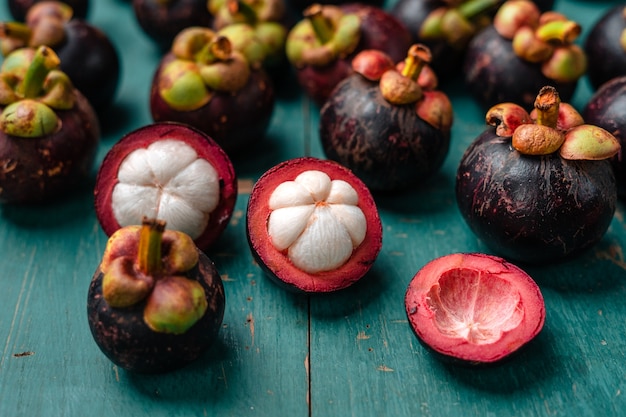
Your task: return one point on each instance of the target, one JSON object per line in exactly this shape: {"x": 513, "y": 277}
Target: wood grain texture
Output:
{"x": 346, "y": 354}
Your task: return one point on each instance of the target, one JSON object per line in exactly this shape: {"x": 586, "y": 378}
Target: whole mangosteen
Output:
{"x": 19, "y": 8}
{"x": 538, "y": 187}
{"x": 607, "y": 109}
{"x": 162, "y": 20}
{"x": 204, "y": 82}
{"x": 156, "y": 302}
{"x": 313, "y": 226}
{"x": 49, "y": 133}
{"x": 321, "y": 46}
{"x": 605, "y": 47}
{"x": 472, "y": 308}
{"x": 87, "y": 55}
{"x": 521, "y": 52}
{"x": 388, "y": 123}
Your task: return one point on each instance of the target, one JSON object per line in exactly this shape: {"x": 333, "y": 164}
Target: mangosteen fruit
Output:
{"x": 156, "y": 302}
{"x": 300, "y": 5}
{"x": 605, "y": 47}
{"x": 321, "y": 46}
{"x": 262, "y": 20}
{"x": 206, "y": 83}
{"x": 473, "y": 308}
{"x": 607, "y": 109}
{"x": 313, "y": 226}
{"x": 170, "y": 171}
{"x": 522, "y": 51}
{"x": 538, "y": 187}
{"x": 162, "y": 20}
{"x": 87, "y": 55}
{"x": 445, "y": 27}
{"x": 388, "y": 123}
{"x": 19, "y": 8}
{"x": 49, "y": 133}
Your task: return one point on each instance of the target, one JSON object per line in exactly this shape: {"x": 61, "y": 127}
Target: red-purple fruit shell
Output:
{"x": 235, "y": 121}
{"x": 474, "y": 308}
{"x": 19, "y": 8}
{"x": 204, "y": 146}
{"x": 124, "y": 337}
{"x": 276, "y": 264}
{"x": 36, "y": 170}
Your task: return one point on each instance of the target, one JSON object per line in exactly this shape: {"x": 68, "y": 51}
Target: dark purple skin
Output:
{"x": 387, "y": 146}
{"x": 606, "y": 57}
{"x": 163, "y": 22}
{"x": 29, "y": 167}
{"x": 122, "y": 335}
{"x": 533, "y": 209}
{"x": 91, "y": 61}
{"x": 19, "y": 8}
{"x": 234, "y": 121}
{"x": 493, "y": 73}
{"x": 607, "y": 109}
{"x": 379, "y": 30}
{"x": 300, "y": 5}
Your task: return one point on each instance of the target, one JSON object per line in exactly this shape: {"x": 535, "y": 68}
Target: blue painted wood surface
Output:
{"x": 279, "y": 354}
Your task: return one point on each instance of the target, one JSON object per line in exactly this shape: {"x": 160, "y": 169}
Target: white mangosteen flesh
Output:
{"x": 167, "y": 180}
{"x": 316, "y": 220}
{"x": 478, "y": 310}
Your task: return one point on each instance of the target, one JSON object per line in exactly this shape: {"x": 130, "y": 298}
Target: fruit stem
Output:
{"x": 322, "y": 26}
{"x": 473, "y": 8}
{"x": 563, "y": 31}
{"x": 149, "y": 252}
{"x": 218, "y": 49}
{"x": 244, "y": 9}
{"x": 44, "y": 61}
{"x": 15, "y": 30}
{"x": 547, "y": 105}
{"x": 417, "y": 57}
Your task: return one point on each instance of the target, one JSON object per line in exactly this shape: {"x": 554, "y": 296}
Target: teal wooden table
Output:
{"x": 279, "y": 354}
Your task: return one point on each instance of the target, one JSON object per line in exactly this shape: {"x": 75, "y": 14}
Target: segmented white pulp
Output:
{"x": 317, "y": 220}
{"x": 166, "y": 180}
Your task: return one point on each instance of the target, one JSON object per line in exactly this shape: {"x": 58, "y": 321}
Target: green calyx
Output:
{"x": 205, "y": 62}
{"x": 457, "y": 24}
{"x": 147, "y": 264}
{"x": 325, "y": 35}
{"x": 32, "y": 89}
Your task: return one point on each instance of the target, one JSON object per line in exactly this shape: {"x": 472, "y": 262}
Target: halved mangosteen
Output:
{"x": 313, "y": 226}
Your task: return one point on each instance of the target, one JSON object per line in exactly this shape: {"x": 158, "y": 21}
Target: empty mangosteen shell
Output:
{"x": 237, "y": 122}
{"x": 142, "y": 137}
{"x": 533, "y": 209}
{"x": 39, "y": 170}
{"x": 387, "y": 146}
{"x": 457, "y": 350}
{"x": 124, "y": 337}
{"x": 275, "y": 263}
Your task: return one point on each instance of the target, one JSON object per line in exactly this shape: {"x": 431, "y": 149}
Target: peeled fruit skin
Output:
{"x": 607, "y": 109}
{"x": 127, "y": 341}
{"x": 533, "y": 209}
{"x": 235, "y": 121}
{"x": 276, "y": 263}
{"x": 37, "y": 170}
{"x": 474, "y": 308}
{"x": 387, "y": 146}
{"x": 494, "y": 74}
{"x": 143, "y": 137}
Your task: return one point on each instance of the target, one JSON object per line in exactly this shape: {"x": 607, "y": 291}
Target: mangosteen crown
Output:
{"x": 552, "y": 126}
{"x": 227, "y": 12}
{"x": 31, "y": 89}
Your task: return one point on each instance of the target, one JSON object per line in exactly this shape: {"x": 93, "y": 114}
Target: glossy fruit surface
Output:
{"x": 168, "y": 170}
{"x": 474, "y": 308}
{"x": 313, "y": 226}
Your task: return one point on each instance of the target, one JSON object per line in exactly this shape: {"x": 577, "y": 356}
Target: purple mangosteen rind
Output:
{"x": 356, "y": 133}
{"x": 607, "y": 109}
{"x": 19, "y": 8}
{"x": 534, "y": 209}
{"x": 203, "y": 145}
{"x": 481, "y": 274}
{"x": 605, "y": 47}
{"x": 276, "y": 264}
{"x": 124, "y": 336}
